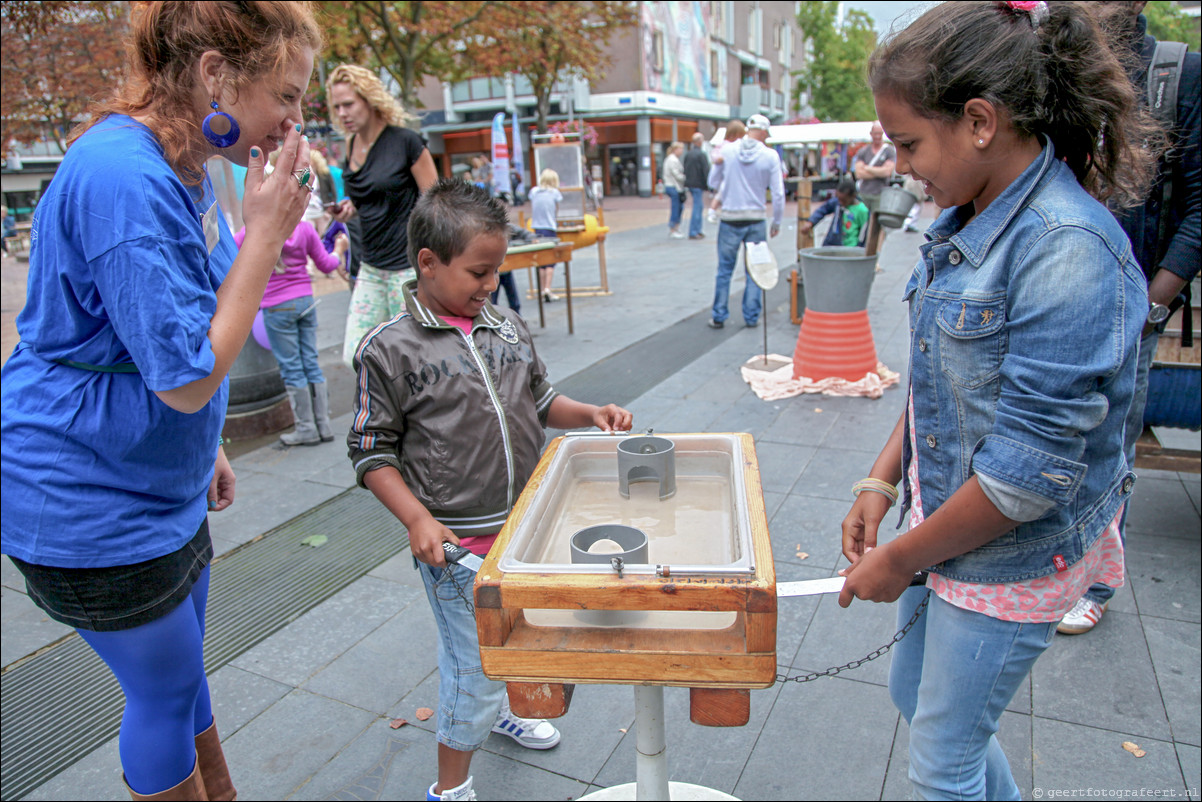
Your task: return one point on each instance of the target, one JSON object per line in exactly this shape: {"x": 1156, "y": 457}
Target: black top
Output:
{"x": 384, "y": 192}
{"x": 696, "y": 169}
{"x": 1183, "y": 234}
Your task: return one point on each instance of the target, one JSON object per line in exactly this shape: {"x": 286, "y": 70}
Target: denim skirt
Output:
{"x": 120, "y": 596}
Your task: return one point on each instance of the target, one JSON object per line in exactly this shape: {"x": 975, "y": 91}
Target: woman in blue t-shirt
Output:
{"x": 114, "y": 400}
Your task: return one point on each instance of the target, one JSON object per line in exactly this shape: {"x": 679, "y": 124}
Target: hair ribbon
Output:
{"x": 1036, "y": 10}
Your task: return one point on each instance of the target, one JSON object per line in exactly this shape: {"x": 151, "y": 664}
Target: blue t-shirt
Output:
{"x": 95, "y": 470}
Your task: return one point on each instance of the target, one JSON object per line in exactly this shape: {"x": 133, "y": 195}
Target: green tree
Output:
{"x": 57, "y": 58}
{"x": 411, "y": 41}
{"x": 835, "y": 75}
{"x": 1168, "y": 23}
{"x": 543, "y": 40}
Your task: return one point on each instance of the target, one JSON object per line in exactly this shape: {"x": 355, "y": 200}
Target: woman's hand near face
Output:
{"x": 272, "y": 205}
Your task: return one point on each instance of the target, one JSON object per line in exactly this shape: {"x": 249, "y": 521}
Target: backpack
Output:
{"x": 1164, "y": 74}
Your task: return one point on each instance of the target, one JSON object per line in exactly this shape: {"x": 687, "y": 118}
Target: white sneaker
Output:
{"x": 676, "y": 235}
{"x": 532, "y": 733}
{"x": 1084, "y": 616}
{"x": 549, "y": 296}
{"x": 458, "y": 792}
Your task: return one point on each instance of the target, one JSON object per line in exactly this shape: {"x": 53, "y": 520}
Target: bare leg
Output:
{"x": 453, "y": 767}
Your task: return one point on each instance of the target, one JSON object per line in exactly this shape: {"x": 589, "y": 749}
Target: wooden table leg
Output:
{"x": 567, "y": 281}
{"x": 538, "y": 293}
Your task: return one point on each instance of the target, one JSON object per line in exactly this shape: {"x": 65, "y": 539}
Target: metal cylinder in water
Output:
{"x": 895, "y": 204}
{"x": 601, "y": 543}
{"x": 647, "y": 459}
{"x": 837, "y": 279}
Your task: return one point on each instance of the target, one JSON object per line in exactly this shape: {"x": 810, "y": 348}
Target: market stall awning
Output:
{"x": 814, "y": 133}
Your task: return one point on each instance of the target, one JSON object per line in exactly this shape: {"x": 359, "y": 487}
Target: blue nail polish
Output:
{"x": 254, "y": 153}
{"x": 298, "y": 127}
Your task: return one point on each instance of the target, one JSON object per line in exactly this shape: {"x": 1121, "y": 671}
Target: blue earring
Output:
{"x": 220, "y": 140}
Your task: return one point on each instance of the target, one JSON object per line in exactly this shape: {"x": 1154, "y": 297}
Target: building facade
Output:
{"x": 685, "y": 67}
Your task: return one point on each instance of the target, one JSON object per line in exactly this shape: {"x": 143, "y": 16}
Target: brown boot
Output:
{"x": 211, "y": 761}
{"x": 190, "y": 789}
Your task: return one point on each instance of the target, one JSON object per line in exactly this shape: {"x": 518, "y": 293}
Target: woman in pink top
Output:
{"x": 290, "y": 317}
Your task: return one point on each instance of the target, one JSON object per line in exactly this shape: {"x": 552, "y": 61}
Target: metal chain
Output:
{"x": 830, "y": 672}
{"x": 471, "y": 608}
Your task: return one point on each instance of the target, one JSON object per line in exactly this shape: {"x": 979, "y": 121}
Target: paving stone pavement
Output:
{"x": 305, "y": 713}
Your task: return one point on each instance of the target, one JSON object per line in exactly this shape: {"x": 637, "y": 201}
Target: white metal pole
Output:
{"x": 651, "y": 765}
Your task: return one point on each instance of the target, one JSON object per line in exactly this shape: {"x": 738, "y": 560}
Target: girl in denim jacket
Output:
{"x": 1025, "y": 312}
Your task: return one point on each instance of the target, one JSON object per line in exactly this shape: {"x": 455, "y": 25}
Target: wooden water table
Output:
{"x": 698, "y": 611}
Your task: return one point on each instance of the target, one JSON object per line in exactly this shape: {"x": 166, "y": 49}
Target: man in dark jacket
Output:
{"x": 696, "y": 172}
{"x": 1166, "y": 238}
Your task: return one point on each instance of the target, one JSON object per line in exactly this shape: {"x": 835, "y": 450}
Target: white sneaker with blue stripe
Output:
{"x": 532, "y": 733}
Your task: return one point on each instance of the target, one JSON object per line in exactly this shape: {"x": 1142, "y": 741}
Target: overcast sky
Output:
{"x": 885, "y": 12}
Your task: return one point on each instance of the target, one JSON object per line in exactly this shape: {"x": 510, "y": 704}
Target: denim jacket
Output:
{"x": 1024, "y": 325}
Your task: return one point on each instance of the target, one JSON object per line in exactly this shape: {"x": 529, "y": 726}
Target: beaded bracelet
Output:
{"x": 876, "y": 486}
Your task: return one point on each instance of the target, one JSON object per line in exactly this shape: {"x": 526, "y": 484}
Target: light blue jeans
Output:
{"x": 951, "y": 677}
{"x": 1135, "y": 427}
{"x": 731, "y": 237}
{"x": 468, "y": 701}
{"x": 677, "y": 207}
{"x": 292, "y": 332}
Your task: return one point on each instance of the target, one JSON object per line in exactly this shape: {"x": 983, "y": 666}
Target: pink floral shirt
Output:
{"x": 1048, "y": 598}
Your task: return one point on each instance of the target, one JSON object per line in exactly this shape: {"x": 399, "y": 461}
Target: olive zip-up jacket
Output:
{"x": 461, "y": 417}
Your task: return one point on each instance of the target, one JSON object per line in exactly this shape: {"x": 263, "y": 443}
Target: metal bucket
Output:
{"x": 895, "y": 204}
{"x": 837, "y": 279}
{"x": 255, "y": 380}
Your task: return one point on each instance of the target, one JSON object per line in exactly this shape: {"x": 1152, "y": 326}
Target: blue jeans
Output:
{"x": 468, "y": 701}
{"x": 731, "y": 237}
{"x": 695, "y": 194}
{"x": 292, "y": 332}
{"x": 506, "y": 281}
{"x": 1135, "y": 427}
{"x": 677, "y": 207}
{"x": 951, "y": 678}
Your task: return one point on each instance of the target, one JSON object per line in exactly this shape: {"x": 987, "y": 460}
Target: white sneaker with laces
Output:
{"x": 532, "y": 733}
{"x": 1084, "y": 616}
{"x": 458, "y": 792}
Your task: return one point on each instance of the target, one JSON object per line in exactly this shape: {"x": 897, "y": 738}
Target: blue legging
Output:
{"x": 160, "y": 666}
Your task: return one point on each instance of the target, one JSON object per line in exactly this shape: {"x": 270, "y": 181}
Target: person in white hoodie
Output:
{"x": 745, "y": 169}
